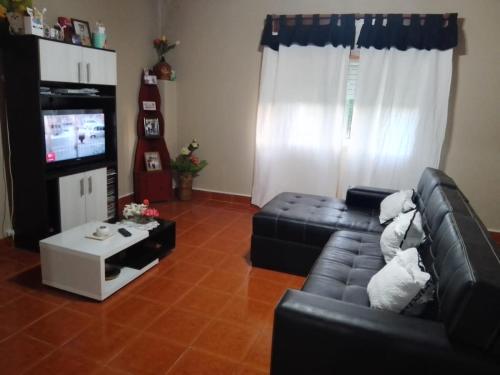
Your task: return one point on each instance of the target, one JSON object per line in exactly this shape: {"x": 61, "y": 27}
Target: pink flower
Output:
{"x": 151, "y": 212}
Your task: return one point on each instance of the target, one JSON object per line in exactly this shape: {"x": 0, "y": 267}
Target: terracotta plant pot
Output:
{"x": 163, "y": 70}
{"x": 185, "y": 186}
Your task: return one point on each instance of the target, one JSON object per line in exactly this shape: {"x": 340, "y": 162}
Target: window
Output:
{"x": 352, "y": 80}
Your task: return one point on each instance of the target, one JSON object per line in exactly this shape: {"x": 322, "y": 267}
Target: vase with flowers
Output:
{"x": 140, "y": 213}
{"x": 162, "y": 69}
{"x": 12, "y": 13}
{"x": 187, "y": 166}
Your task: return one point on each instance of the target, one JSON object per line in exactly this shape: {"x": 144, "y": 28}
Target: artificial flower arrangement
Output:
{"x": 3, "y": 9}
{"x": 13, "y": 13}
{"x": 162, "y": 69}
{"x": 15, "y": 6}
{"x": 162, "y": 46}
{"x": 186, "y": 162}
{"x": 140, "y": 211}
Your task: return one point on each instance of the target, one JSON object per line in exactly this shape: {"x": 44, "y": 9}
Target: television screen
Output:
{"x": 74, "y": 134}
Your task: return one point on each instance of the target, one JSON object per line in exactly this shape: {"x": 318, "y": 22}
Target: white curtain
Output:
{"x": 399, "y": 118}
{"x": 300, "y": 121}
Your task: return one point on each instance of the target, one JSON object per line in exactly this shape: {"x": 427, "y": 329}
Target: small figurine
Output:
{"x": 99, "y": 37}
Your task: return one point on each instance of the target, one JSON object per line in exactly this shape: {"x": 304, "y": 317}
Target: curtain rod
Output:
{"x": 358, "y": 16}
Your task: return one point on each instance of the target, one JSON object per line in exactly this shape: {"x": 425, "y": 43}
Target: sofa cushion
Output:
{"x": 441, "y": 201}
{"x": 404, "y": 232}
{"x": 345, "y": 266}
{"x": 430, "y": 179}
{"x": 466, "y": 271}
{"x": 394, "y": 204}
{"x": 402, "y": 285}
{"x": 311, "y": 219}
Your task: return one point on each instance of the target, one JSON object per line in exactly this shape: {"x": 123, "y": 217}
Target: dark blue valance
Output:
{"x": 340, "y": 30}
{"x": 434, "y": 31}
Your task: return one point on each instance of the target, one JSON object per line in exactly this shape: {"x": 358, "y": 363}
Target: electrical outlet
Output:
{"x": 10, "y": 233}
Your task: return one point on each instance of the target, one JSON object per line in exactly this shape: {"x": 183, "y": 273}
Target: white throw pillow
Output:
{"x": 400, "y": 285}
{"x": 404, "y": 232}
{"x": 394, "y": 204}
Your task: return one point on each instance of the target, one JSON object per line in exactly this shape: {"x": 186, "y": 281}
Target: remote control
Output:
{"x": 124, "y": 232}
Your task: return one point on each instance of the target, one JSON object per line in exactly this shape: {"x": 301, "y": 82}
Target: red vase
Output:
{"x": 163, "y": 70}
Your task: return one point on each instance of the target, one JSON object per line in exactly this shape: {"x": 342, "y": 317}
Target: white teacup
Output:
{"x": 102, "y": 231}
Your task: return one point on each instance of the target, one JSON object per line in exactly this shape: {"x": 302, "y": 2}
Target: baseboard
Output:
{"x": 222, "y": 192}
{"x": 6, "y": 242}
{"x": 495, "y": 235}
{"x": 221, "y": 196}
{"x": 199, "y": 194}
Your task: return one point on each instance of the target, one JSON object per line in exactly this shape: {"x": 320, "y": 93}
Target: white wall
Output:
{"x": 218, "y": 67}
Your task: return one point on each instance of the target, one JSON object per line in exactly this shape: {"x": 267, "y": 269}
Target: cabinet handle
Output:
{"x": 88, "y": 72}
{"x": 79, "y": 72}
{"x": 90, "y": 185}
{"x": 82, "y": 190}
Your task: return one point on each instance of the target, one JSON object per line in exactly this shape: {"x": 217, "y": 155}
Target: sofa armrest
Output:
{"x": 319, "y": 335}
{"x": 366, "y": 197}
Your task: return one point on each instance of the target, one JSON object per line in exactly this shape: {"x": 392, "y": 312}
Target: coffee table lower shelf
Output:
{"x": 126, "y": 275}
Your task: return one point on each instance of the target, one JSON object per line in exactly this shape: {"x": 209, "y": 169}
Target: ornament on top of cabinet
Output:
{"x": 81, "y": 31}
{"x": 33, "y": 22}
{"x": 99, "y": 36}
{"x": 66, "y": 27}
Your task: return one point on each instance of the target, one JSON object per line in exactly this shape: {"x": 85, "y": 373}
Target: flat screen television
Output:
{"x": 73, "y": 135}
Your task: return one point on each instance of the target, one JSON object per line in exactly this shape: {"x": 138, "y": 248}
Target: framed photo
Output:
{"x": 153, "y": 162}
{"x": 82, "y": 29}
{"x": 149, "y": 106}
{"x": 151, "y": 127}
{"x": 150, "y": 79}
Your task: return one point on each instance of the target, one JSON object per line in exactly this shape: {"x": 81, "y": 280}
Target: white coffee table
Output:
{"x": 74, "y": 263}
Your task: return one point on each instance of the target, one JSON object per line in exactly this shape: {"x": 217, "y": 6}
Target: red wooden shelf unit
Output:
{"x": 155, "y": 185}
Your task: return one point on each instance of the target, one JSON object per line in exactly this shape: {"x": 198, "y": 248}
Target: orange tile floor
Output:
{"x": 202, "y": 310}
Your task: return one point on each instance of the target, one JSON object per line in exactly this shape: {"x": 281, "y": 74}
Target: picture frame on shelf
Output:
{"x": 151, "y": 127}
{"x": 149, "y": 105}
{"x": 150, "y": 79}
{"x": 152, "y": 160}
{"x": 82, "y": 30}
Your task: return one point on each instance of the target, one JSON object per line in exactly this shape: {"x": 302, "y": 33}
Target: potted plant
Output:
{"x": 162, "y": 69}
{"x": 13, "y": 10}
{"x": 187, "y": 166}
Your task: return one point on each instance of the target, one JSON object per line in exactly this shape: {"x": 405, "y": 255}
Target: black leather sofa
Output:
{"x": 328, "y": 327}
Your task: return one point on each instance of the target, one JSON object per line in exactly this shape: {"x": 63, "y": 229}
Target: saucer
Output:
{"x": 94, "y": 236}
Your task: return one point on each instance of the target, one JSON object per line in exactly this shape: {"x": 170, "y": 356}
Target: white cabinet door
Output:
{"x": 72, "y": 200}
{"x": 100, "y": 66}
{"x": 60, "y": 62}
{"x": 96, "y": 195}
